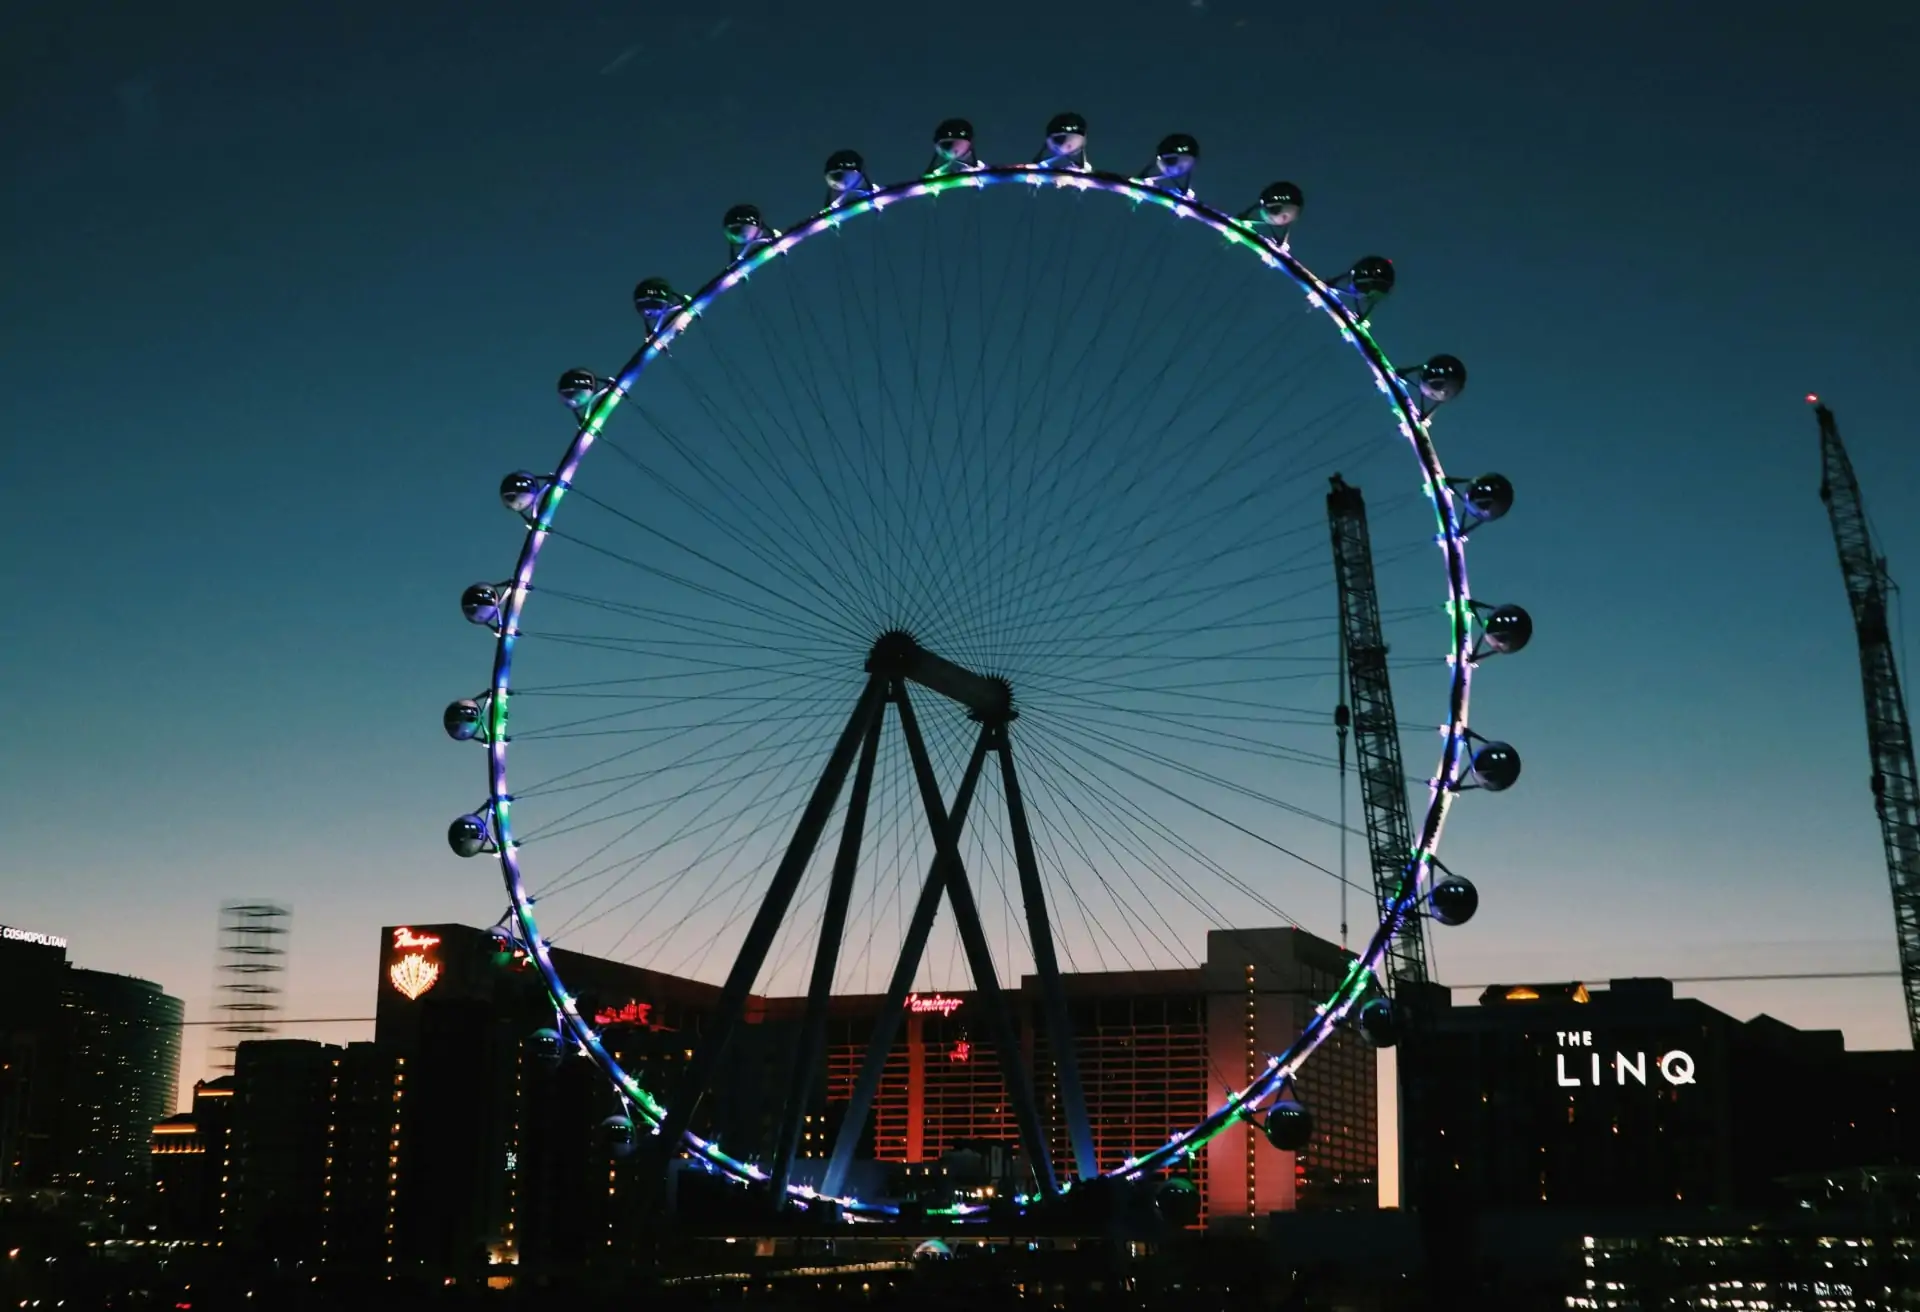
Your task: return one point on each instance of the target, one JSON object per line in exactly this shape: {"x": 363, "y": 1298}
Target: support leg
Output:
{"x": 1006, "y": 1036}
{"x": 698, "y": 1073}
{"x": 1060, "y": 1038}
{"x": 847, "y": 1142}
{"x": 813, "y": 1026}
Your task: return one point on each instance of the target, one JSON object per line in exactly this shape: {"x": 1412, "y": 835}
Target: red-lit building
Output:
{"x": 502, "y": 1145}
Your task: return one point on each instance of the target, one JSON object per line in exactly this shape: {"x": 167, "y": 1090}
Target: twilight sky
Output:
{"x": 284, "y": 295}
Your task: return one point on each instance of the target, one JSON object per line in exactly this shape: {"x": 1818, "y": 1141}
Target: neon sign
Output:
{"x": 413, "y": 972}
{"x": 962, "y": 1051}
{"x": 922, "y": 1003}
{"x": 633, "y": 1013}
{"x": 33, "y": 936}
{"x": 1675, "y": 1067}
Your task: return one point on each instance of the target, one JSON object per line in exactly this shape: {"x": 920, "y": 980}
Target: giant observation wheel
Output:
{"x": 947, "y": 598}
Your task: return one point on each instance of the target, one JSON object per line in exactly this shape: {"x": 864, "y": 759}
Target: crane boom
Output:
{"x": 1896, "y": 787}
{"x": 1376, "y": 733}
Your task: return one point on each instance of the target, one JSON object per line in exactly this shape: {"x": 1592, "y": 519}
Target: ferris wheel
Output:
{"x": 941, "y": 593}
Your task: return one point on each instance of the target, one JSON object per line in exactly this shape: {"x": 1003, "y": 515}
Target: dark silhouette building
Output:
{"x": 277, "y": 1161}
{"x": 1627, "y": 1097}
{"x": 190, "y": 1152}
{"x": 365, "y": 1102}
{"x": 88, "y": 1064}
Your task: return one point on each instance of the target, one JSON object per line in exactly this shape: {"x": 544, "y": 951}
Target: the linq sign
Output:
{"x": 1587, "y": 1068}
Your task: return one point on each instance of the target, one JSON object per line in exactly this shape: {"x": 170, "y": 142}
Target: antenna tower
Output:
{"x": 252, "y": 960}
{"x": 1896, "y": 788}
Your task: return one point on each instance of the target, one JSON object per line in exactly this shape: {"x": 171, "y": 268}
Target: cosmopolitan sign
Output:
{"x": 34, "y": 936}
{"x": 1674, "y": 1067}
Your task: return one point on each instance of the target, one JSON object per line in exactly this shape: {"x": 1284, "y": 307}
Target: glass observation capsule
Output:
{"x": 546, "y": 1046}
{"x": 846, "y": 175}
{"x": 469, "y": 836}
{"x": 952, "y": 146}
{"x": 616, "y": 1132}
{"x": 655, "y": 299}
{"x": 1378, "y": 1023}
{"x": 1372, "y": 276}
{"x": 1496, "y": 767}
{"x": 1289, "y": 1126}
{"x": 500, "y": 942}
{"x": 1177, "y": 1200}
{"x": 1066, "y": 141}
{"x": 746, "y": 230}
{"x": 1455, "y": 899}
{"x": 577, "y": 387}
{"x": 1507, "y": 629}
{"x": 464, "y": 720}
{"x": 480, "y": 603}
{"x": 520, "y": 491}
{"x": 1442, "y": 379}
{"x": 1490, "y": 496}
{"x": 1280, "y": 204}
{"x": 1173, "y": 161}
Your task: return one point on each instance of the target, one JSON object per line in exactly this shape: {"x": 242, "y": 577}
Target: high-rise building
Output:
{"x": 277, "y": 1161}
{"x": 365, "y": 1103}
{"x": 190, "y": 1152}
{"x": 1569, "y": 1095}
{"x": 88, "y": 1064}
{"x": 502, "y": 1156}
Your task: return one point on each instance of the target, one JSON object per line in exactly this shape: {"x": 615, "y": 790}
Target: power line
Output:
{"x": 1733, "y": 979}
{"x": 300, "y": 1020}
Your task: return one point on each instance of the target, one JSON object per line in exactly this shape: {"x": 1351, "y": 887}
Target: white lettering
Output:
{"x": 1672, "y": 1067}
{"x": 1596, "y": 1069}
{"x": 32, "y": 936}
{"x": 1560, "y": 1064}
{"x": 1622, "y": 1067}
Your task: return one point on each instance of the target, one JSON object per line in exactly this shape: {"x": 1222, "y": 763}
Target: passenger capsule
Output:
{"x": 1456, "y": 899}
{"x": 1490, "y": 496}
{"x": 1442, "y": 379}
{"x": 500, "y": 943}
{"x": 1508, "y": 629}
{"x": 469, "y": 836}
{"x": 846, "y": 175}
{"x": 616, "y": 1133}
{"x": 1372, "y": 275}
{"x": 746, "y": 230}
{"x": 1173, "y": 161}
{"x": 577, "y": 387}
{"x": 655, "y": 299}
{"x": 1496, "y": 767}
{"x": 463, "y": 720}
{"x": 1378, "y": 1022}
{"x": 1280, "y": 204}
{"x": 520, "y": 491}
{"x": 1177, "y": 1201}
{"x": 481, "y": 604}
{"x": 1066, "y": 142}
{"x": 1289, "y": 1126}
{"x": 952, "y": 146}
{"x": 546, "y": 1047}
{"x": 1277, "y": 206}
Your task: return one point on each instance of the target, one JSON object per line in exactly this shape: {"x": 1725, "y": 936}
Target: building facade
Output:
{"x": 498, "y": 1158}
{"x": 89, "y": 1062}
{"x": 1627, "y": 1097}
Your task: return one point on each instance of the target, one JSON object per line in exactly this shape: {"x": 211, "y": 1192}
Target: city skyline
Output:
{"x": 242, "y": 644}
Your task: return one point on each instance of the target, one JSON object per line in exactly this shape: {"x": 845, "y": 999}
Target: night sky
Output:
{"x": 284, "y": 297}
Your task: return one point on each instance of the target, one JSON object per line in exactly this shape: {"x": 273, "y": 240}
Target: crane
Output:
{"x": 1376, "y": 733}
{"x": 1896, "y": 787}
